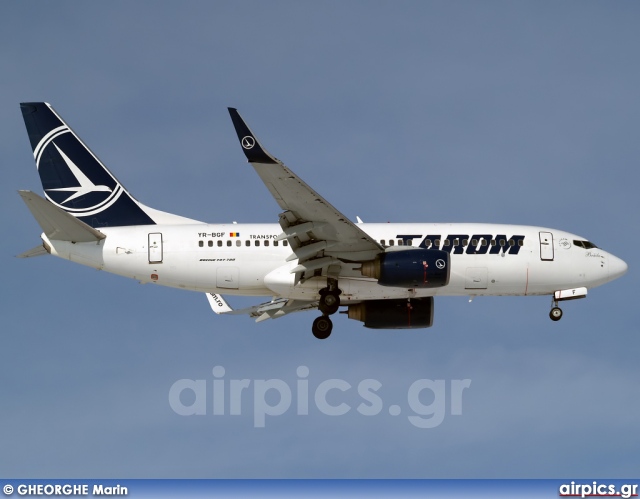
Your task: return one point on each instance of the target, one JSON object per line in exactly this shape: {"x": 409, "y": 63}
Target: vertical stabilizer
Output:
{"x": 76, "y": 181}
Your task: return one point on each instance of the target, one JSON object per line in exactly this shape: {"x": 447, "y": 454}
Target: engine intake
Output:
{"x": 419, "y": 268}
{"x": 394, "y": 314}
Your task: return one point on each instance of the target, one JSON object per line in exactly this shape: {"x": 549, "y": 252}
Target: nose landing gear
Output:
{"x": 555, "y": 314}
{"x": 563, "y": 295}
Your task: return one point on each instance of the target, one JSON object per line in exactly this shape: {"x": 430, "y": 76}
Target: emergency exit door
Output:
{"x": 155, "y": 247}
{"x": 546, "y": 246}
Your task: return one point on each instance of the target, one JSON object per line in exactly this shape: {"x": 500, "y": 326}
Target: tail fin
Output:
{"x": 76, "y": 181}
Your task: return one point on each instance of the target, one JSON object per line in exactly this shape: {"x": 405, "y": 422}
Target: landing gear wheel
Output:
{"x": 322, "y": 327}
{"x": 329, "y": 301}
{"x": 555, "y": 314}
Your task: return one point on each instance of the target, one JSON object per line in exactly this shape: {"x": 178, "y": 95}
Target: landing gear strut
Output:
{"x": 556, "y": 312}
{"x": 329, "y": 300}
{"x": 328, "y": 305}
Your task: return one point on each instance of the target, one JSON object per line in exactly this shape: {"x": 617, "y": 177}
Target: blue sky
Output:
{"x": 506, "y": 112}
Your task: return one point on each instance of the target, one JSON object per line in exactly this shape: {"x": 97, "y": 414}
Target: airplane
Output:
{"x": 386, "y": 275}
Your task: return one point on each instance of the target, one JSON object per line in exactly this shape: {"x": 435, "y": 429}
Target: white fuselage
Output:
{"x": 212, "y": 258}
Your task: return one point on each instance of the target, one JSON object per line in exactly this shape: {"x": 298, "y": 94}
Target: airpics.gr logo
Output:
{"x": 72, "y": 177}
{"x": 425, "y": 403}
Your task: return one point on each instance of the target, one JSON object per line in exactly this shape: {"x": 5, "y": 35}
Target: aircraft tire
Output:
{"x": 555, "y": 314}
{"x": 322, "y": 327}
{"x": 329, "y": 303}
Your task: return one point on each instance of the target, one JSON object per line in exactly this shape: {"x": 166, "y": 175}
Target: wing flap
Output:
{"x": 278, "y": 307}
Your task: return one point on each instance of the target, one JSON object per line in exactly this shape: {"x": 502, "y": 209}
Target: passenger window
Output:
{"x": 266, "y": 243}
{"x": 391, "y": 242}
{"x": 484, "y": 242}
{"x": 465, "y": 242}
{"x": 427, "y": 243}
{"x": 409, "y": 242}
{"x": 201, "y": 243}
{"x": 447, "y": 242}
{"x": 502, "y": 242}
{"x": 456, "y": 241}
{"x": 229, "y": 243}
{"x": 275, "y": 243}
{"x": 238, "y": 243}
{"x": 210, "y": 243}
{"x": 474, "y": 242}
{"x": 520, "y": 242}
{"x": 285, "y": 243}
{"x": 493, "y": 242}
{"x": 247, "y": 243}
{"x": 437, "y": 243}
{"x": 219, "y": 243}
{"x": 257, "y": 243}
{"x": 399, "y": 242}
{"x": 382, "y": 242}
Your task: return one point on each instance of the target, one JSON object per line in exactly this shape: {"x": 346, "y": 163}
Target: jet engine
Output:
{"x": 419, "y": 268}
{"x": 411, "y": 313}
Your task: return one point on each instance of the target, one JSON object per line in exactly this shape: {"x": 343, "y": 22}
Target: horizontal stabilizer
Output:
{"x": 37, "y": 251}
{"x": 57, "y": 224}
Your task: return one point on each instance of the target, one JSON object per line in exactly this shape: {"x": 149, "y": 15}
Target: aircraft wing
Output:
{"x": 319, "y": 234}
{"x": 278, "y": 307}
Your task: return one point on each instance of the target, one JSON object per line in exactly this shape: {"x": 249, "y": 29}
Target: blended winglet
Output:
{"x": 274, "y": 309}
{"x": 254, "y": 152}
{"x": 218, "y": 305}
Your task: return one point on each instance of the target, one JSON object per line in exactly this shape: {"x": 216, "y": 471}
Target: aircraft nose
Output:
{"x": 617, "y": 267}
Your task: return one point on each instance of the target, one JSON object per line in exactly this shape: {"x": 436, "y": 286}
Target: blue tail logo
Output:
{"x": 85, "y": 187}
{"x": 73, "y": 178}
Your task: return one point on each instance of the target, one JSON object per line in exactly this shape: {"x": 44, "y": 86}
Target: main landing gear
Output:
{"x": 556, "y": 312}
{"x": 322, "y": 327}
{"x": 328, "y": 305}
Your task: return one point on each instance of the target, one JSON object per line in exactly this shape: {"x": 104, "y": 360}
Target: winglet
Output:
{"x": 254, "y": 152}
{"x": 218, "y": 305}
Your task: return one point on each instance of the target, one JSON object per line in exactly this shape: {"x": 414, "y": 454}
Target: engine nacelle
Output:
{"x": 419, "y": 268}
{"x": 394, "y": 314}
